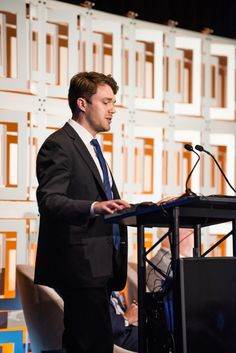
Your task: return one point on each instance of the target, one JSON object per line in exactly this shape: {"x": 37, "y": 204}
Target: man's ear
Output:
{"x": 81, "y": 104}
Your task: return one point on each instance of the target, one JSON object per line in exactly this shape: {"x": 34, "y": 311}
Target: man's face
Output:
{"x": 186, "y": 240}
{"x": 99, "y": 112}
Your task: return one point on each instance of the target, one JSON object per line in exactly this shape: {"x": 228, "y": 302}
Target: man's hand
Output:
{"x": 110, "y": 206}
{"x": 131, "y": 314}
{"x": 167, "y": 199}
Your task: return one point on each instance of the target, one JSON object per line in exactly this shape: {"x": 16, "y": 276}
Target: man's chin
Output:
{"x": 107, "y": 128}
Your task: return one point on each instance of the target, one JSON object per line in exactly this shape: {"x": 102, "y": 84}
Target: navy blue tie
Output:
{"x": 103, "y": 165}
{"x": 107, "y": 187}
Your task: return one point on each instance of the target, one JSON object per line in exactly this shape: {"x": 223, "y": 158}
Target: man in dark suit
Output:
{"x": 162, "y": 259}
{"x": 76, "y": 253}
{"x": 124, "y": 323}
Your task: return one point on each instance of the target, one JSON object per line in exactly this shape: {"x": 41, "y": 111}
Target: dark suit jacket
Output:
{"x": 124, "y": 336}
{"x": 74, "y": 249}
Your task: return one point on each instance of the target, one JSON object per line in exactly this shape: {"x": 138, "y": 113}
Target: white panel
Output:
{"x": 3, "y": 45}
{"x": 86, "y": 42}
{"x": 227, "y": 140}
{"x": 193, "y": 44}
{"x": 113, "y": 28}
{"x": 140, "y": 69}
{"x": 178, "y": 148}
{"x": 21, "y": 209}
{"x": 18, "y": 226}
{"x": 156, "y": 134}
{"x": 156, "y": 37}
{"x": 224, "y": 228}
{"x": 12, "y": 84}
{"x": 98, "y": 55}
{"x": 68, "y": 17}
{"x": 179, "y": 78}
{"x": 215, "y": 63}
{"x": 52, "y": 53}
{"x": 2, "y": 155}
{"x": 22, "y": 102}
{"x": 194, "y": 138}
{"x": 227, "y": 51}
{"x": 20, "y": 191}
{"x": 139, "y": 163}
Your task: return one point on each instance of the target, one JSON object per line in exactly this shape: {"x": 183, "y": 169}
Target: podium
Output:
{"x": 193, "y": 212}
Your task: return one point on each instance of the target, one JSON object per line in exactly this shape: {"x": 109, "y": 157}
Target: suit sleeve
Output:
{"x": 118, "y": 323}
{"x": 54, "y": 165}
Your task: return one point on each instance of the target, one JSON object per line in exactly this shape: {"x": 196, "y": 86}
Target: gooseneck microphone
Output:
{"x": 202, "y": 149}
{"x": 188, "y": 191}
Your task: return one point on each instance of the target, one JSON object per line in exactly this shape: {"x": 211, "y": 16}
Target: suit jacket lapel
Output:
{"x": 84, "y": 153}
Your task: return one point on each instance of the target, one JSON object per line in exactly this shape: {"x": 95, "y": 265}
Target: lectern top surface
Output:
{"x": 193, "y": 208}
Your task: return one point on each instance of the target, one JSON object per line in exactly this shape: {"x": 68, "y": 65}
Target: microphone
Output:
{"x": 202, "y": 149}
{"x": 188, "y": 191}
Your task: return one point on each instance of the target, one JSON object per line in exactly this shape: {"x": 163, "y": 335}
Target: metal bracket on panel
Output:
{"x": 171, "y": 120}
{"x": 172, "y": 24}
{"x": 33, "y": 228}
{"x": 132, "y": 116}
{"x": 207, "y": 125}
{"x": 41, "y": 104}
{"x": 132, "y": 15}
{"x": 42, "y": 2}
{"x": 167, "y": 104}
{"x": 89, "y": 6}
{"x": 207, "y": 32}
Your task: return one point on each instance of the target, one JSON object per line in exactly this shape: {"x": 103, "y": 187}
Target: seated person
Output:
{"x": 124, "y": 323}
{"x": 162, "y": 259}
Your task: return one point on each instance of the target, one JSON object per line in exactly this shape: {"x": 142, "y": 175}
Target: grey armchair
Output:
{"x": 43, "y": 312}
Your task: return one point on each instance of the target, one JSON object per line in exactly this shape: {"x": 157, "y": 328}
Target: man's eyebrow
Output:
{"x": 109, "y": 99}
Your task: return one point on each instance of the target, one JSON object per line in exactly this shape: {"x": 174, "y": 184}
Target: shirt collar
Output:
{"x": 81, "y": 131}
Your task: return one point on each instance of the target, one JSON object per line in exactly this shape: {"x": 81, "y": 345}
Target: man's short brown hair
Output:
{"x": 84, "y": 85}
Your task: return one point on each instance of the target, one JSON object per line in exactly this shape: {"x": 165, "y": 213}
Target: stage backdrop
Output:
{"x": 176, "y": 87}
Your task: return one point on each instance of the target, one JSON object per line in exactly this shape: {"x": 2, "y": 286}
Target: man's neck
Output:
{"x": 83, "y": 123}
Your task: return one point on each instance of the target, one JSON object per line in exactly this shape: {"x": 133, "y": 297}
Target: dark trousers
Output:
{"x": 87, "y": 321}
{"x": 129, "y": 339}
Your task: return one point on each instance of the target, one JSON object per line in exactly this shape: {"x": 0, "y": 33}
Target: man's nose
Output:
{"x": 112, "y": 109}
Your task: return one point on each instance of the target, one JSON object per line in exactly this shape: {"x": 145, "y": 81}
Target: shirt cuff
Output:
{"x": 126, "y": 321}
{"x": 92, "y": 212}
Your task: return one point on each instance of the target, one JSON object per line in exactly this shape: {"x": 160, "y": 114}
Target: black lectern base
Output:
{"x": 156, "y": 328}
{"x": 205, "y": 309}
{"x": 208, "y": 305}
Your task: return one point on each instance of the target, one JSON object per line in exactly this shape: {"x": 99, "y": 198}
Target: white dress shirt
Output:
{"x": 86, "y": 137}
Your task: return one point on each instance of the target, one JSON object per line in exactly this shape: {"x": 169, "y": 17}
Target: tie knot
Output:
{"x": 95, "y": 143}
